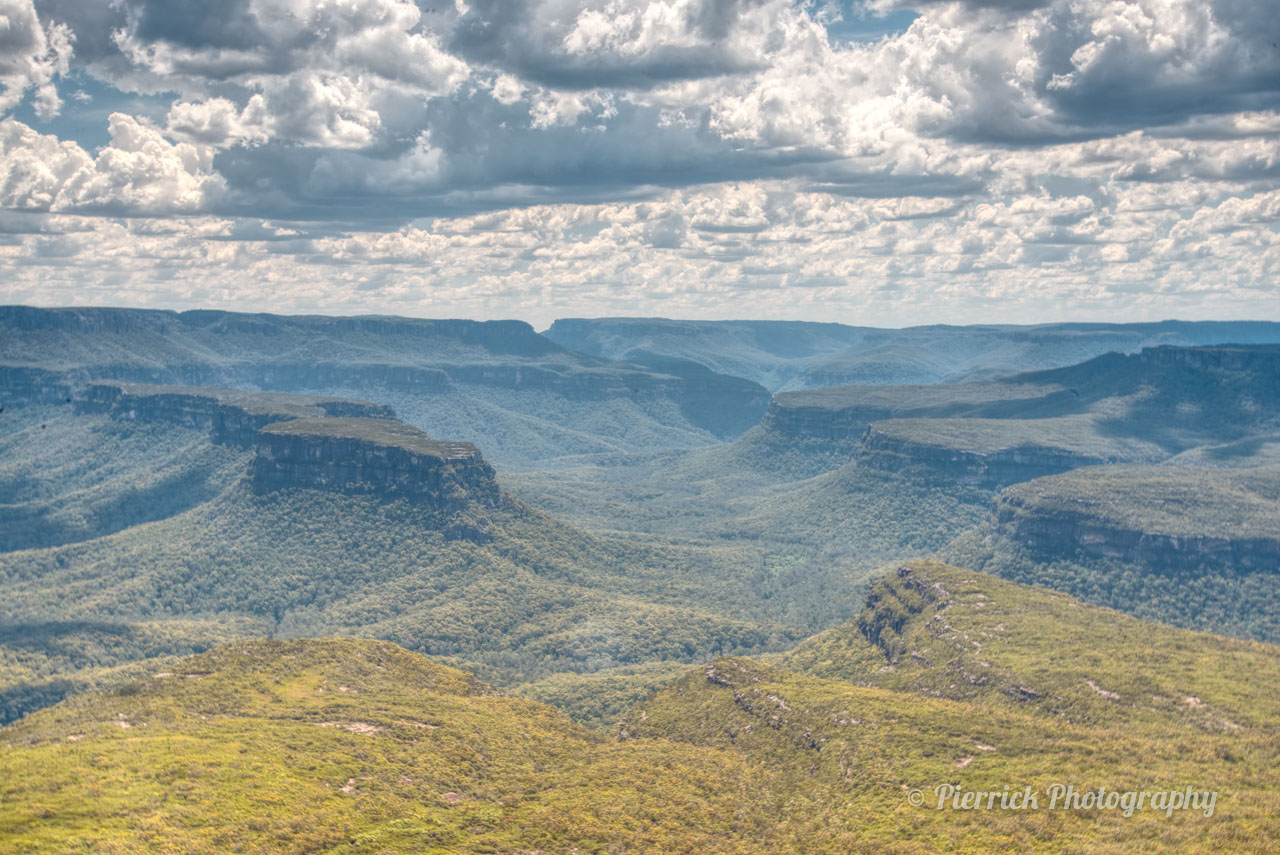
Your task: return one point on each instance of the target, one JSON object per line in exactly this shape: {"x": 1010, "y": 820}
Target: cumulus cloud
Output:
{"x": 32, "y": 54}
{"x": 565, "y": 44}
{"x": 140, "y": 171}
{"x": 218, "y": 122}
{"x": 663, "y": 156}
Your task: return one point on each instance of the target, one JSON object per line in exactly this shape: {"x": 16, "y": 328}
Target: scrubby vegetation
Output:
{"x": 361, "y": 747}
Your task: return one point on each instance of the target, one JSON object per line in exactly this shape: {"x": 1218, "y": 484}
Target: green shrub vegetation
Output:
{"x": 67, "y": 477}
{"x": 538, "y": 598}
{"x": 354, "y": 746}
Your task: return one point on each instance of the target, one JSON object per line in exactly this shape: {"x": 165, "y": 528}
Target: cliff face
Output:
{"x": 800, "y": 421}
{"x": 230, "y": 415}
{"x": 845, "y": 412}
{"x": 889, "y": 453}
{"x": 1058, "y": 532}
{"x": 372, "y": 456}
{"x": 37, "y": 385}
{"x": 1255, "y": 359}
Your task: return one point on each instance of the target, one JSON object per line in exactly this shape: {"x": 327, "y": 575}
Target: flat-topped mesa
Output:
{"x": 845, "y": 412}
{"x": 372, "y": 456}
{"x": 1252, "y": 358}
{"x": 1166, "y": 518}
{"x": 995, "y": 451}
{"x": 232, "y": 416}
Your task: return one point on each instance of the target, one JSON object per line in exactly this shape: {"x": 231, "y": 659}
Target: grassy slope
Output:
{"x": 979, "y": 682}
{"x": 849, "y": 756}
{"x": 351, "y": 747}
{"x": 937, "y": 630}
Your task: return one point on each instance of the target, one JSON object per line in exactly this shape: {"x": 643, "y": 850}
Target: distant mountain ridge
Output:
{"x": 1140, "y": 408}
{"x": 497, "y": 383}
{"x": 791, "y": 355}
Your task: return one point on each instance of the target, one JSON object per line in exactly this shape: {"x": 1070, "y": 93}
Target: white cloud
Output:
{"x": 218, "y": 122}
{"x": 32, "y": 54}
{"x": 140, "y": 171}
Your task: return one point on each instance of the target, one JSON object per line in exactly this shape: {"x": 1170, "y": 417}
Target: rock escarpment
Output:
{"x": 231, "y": 416}
{"x": 372, "y": 456}
{"x": 1167, "y": 519}
{"x": 29, "y": 383}
{"x": 889, "y": 450}
{"x": 1261, "y": 359}
{"x": 386, "y": 356}
{"x": 845, "y": 412}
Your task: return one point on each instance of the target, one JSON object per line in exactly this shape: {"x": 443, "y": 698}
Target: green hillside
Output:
{"x": 537, "y": 597}
{"x": 356, "y": 746}
{"x": 941, "y": 631}
{"x": 352, "y": 747}
{"x": 66, "y": 477}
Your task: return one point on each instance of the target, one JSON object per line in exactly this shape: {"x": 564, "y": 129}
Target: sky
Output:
{"x": 884, "y": 162}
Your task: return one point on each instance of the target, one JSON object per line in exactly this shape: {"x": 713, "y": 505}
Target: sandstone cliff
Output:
{"x": 1168, "y": 519}
{"x": 1003, "y": 466}
{"x": 372, "y": 456}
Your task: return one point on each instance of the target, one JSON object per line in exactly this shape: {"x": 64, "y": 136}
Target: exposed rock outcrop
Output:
{"x": 373, "y": 456}
{"x": 231, "y": 416}
{"x": 845, "y": 412}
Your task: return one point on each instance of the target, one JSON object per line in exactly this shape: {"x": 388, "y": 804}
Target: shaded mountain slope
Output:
{"x": 1194, "y": 546}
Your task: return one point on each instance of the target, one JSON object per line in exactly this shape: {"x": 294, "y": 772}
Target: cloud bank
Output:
{"x": 986, "y": 160}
